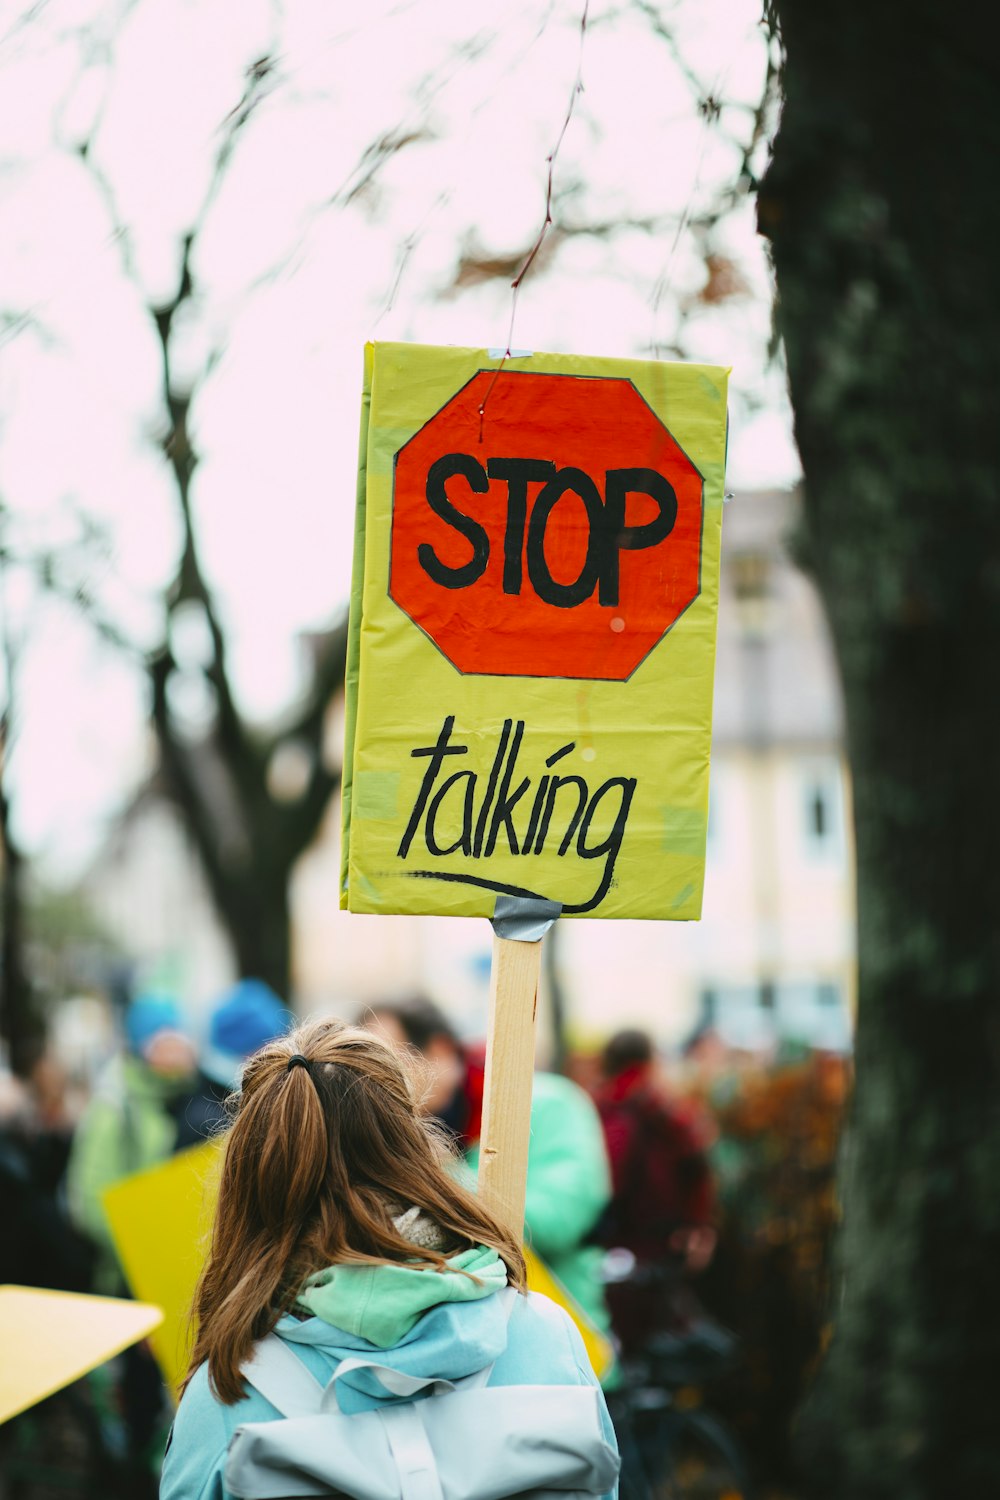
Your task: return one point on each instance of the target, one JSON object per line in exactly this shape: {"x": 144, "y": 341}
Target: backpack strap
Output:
{"x": 393, "y": 1382}
{"x": 281, "y": 1378}
{"x": 412, "y": 1453}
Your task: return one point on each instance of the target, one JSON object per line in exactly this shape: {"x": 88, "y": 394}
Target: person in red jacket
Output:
{"x": 663, "y": 1199}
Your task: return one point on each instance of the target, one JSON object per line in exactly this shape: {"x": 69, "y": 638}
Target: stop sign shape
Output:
{"x": 545, "y": 526}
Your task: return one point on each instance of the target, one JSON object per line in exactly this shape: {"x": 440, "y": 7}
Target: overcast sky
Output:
{"x": 295, "y": 268}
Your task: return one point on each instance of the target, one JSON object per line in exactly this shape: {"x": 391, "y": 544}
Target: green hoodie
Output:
{"x": 569, "y": 1182}
{"x": 127, "y": 1126}
{"x": 382, "y": 1303}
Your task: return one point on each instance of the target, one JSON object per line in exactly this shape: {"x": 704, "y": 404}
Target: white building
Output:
{"x": 148, "y": 891}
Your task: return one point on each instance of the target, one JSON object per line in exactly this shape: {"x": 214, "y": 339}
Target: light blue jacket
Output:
{"x": 538, "y": 1346}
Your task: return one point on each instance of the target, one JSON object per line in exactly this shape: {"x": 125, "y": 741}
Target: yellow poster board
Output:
{"x": 532, "y": 633}
{"x": 600, "y": 1350}
{"x": 161, "y": 1222}
{"x": 49, "y": 1339}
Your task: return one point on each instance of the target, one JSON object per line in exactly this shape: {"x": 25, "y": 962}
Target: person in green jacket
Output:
{"x": 131, "y": 1122}
{"x": 569, "y": 1180}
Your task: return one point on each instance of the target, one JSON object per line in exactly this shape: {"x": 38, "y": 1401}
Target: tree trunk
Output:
{"x": 882, "y": 210}
{"x": 19, "y": 1025}
{"x": 257, "y": 919}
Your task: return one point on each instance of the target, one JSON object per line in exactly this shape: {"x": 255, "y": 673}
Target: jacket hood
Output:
{"x": 433, "y": 1324}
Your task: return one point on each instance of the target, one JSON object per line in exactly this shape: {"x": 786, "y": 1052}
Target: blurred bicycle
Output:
{"x": 673, "y": 1445}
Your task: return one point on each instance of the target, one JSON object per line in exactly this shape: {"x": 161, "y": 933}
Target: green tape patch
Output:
{"x": 376, "y": 795}
{"x": 684, "y": 831}
{"x": 682, "y": 897}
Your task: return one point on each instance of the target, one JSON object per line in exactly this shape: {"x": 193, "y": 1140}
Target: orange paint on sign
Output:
{"x": 553, "y": 532}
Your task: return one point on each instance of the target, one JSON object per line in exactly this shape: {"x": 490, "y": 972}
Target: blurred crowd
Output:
{"x": 683, "y": 1196}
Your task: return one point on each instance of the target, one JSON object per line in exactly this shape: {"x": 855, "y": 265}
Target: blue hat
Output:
{"x": 246, "y": 1018}
{"x": 148, "y": 1014}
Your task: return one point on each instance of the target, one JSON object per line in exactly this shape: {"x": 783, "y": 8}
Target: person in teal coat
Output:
{"x": 569, "y": 1178}
{"x": 342, "y": 1228}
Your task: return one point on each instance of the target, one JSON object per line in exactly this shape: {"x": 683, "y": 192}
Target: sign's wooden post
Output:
{"x": 510, "y": 1065}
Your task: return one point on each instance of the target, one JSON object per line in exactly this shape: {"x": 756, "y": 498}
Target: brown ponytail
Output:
{"x": 318, "y": 1160}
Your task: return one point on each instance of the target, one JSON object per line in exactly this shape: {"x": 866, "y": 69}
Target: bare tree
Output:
{"x": 248, "y": 829}
{"x": 249, "y": 839}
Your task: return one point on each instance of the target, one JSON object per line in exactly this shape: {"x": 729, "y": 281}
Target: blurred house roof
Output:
{"x": 776, "y": 678}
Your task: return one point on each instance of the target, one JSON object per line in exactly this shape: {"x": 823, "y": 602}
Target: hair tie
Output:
{"x": 298, "y": 1061}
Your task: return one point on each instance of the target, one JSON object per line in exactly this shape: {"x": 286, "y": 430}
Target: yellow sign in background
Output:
{"x": 161, "y": 1223}
{"x": 49, "y": 1339}
{"x": 627, "y": 837}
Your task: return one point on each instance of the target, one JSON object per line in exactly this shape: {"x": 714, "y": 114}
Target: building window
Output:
{"x": 741, "y": 1015}
{"x": 812, "y": 1013}
{"x": 819, "y": 813}
{"x": 751, "y": 574}
{"x": 753, "y": 590}
{"x": 822, "y": 811}
{"x": 759, "y": 1015}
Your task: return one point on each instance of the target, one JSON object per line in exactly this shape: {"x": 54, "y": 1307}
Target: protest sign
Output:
{"x": 161, "y": 1223}
{"x": 532, "y": 633}
{"x": 52, "y": 1338}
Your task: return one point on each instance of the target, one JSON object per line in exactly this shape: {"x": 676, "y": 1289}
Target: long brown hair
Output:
{"x": 318, "y": 1161}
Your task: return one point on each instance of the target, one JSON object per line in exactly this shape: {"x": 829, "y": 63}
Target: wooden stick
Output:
{"x": 510, "y": 1067}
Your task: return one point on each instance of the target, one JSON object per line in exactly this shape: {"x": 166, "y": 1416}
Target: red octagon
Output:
{"x": 545, "y": 526}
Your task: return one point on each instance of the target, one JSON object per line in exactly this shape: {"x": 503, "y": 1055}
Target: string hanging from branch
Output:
{"x": 709, "y": 109}
{"x": 710, "y": 106}
{"x": 546, "y": 225}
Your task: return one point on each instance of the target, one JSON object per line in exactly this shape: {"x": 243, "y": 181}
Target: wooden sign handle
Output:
{"x": 510, "y": 1066}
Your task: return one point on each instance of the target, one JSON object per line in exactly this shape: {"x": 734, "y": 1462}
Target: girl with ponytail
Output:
{"x": 342, "y": 1226}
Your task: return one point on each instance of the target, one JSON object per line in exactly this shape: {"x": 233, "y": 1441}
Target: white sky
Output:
{"x": 292, "y": 280}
